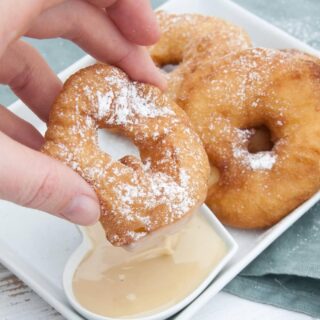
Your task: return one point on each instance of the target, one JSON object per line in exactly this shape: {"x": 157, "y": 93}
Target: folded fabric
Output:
{"x": 287, "y": 274}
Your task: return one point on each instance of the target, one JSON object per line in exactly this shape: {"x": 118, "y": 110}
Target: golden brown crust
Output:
{"x": 245, "y": 90}
{"x": 190, "y": 39}
{"x": 136, "y": 196}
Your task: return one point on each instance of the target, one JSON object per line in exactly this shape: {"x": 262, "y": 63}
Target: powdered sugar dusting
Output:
{"x": 136, "y": 196}
{"x": 263, "y": 160}
{"x": 194, "y": 29}
{"x": 241, "y": 91}
{"x": 128, "y": 105}
{"x": 104, "y": 102}
{"x": 196, "y": 38}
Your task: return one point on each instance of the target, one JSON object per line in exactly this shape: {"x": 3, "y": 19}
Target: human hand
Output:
{"x": 112, "y": 31}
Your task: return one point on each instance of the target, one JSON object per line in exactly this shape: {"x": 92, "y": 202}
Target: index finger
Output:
{"x": 134, "y": 18}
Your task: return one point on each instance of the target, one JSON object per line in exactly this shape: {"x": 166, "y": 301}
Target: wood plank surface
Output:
{"x": 18, "y": 301}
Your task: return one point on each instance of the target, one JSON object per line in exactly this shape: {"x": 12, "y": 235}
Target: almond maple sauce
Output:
{"x": 114, "y": 282}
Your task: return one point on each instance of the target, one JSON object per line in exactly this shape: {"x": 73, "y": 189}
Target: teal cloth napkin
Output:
{"x": 287, "y": 274}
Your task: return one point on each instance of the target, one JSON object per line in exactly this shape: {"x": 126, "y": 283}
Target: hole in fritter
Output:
{"x": 261, "y": 140}
{"x": 168, "y": 68}
{"x": 116, "y": 144}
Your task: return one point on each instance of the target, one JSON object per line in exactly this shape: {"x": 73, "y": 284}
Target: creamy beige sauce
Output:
{"x": 114, "y": 282}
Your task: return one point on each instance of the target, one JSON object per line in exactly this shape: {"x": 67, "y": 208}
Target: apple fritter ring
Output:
{"x": 190, "y": 39}
{"x": 136, "y": 196}
{"x": 227, "y": 102}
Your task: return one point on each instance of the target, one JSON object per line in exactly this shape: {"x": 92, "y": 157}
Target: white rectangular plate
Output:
{"x": 35, "y": 246}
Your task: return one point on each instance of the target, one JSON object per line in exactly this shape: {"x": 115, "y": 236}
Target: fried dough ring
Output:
{"x": 136, "y": 197}
{"x": 190, "y": 39}
{"x": 226, "y": 100}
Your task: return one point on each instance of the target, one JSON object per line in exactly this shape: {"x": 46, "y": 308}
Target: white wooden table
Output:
{"x": 18, "y": 301}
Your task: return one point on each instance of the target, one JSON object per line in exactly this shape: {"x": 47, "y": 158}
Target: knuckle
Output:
{"x": 75, "y": 29}
{"x": 122, "y": 59}
{"x": 43, "y": 193}
{"x": 22, "y": 78}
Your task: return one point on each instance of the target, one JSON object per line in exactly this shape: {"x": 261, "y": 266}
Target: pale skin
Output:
{"x": 112, "y": 31}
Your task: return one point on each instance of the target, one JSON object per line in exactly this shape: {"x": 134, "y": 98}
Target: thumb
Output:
{"x": 34, "y": 180}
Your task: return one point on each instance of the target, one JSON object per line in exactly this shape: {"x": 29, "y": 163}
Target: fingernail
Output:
{"x": 82, "y": 210}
